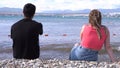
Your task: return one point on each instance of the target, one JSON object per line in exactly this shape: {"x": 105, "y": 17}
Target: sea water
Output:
{"x": 60, "y": 29}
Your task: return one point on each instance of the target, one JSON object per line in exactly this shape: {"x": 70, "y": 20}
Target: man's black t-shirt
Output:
{"x": 25, "y": 35}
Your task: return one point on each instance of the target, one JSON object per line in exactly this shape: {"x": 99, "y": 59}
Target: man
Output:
{"x": 25, "y": 35}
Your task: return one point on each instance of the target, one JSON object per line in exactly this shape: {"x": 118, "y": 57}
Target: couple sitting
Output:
{"x": 25, "y": 35}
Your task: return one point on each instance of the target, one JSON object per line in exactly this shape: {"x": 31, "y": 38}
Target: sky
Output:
{"x": 48, "y": 5}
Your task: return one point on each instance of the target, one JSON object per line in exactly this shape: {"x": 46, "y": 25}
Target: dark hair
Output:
{"x": 95, "y": 20}
{"x": 29, "y": 10}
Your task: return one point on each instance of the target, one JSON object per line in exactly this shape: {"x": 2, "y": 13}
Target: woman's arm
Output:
{"x": 81, "y": 32}
{"x": 108, "y": 47}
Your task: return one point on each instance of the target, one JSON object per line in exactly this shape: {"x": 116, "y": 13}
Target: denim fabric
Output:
{"x": 81, "y": 53}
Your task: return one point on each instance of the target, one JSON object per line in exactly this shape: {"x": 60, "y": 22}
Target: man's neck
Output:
{"x": 27, "y": 18}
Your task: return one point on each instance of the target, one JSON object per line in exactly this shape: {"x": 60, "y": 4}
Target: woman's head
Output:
{"x": 95, "y": 20}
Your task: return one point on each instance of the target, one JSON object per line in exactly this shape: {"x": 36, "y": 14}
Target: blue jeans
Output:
{"x": 81, "y": 53}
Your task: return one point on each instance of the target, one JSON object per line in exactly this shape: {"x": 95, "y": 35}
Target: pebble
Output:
{"x": 55, "y": 63}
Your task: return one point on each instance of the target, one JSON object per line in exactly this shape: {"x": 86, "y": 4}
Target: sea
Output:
{"x": 57, "y": 29}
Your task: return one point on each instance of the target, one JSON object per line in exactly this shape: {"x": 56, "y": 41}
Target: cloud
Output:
{"x": 43, "y": 5}
{"x": 13, "y": 3}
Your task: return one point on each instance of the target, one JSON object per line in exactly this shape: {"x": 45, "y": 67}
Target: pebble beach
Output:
{"x": 55, "y": 63}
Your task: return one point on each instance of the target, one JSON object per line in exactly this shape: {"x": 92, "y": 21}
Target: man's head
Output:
{"x": 29, "y": 10}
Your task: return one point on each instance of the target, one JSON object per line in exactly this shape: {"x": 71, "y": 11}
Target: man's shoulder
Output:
{"x": 17, "y": 22}
{"x": 37, "y": 23}
{"x": 20, "y": 20}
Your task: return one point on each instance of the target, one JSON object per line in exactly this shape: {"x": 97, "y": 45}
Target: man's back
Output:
{"x": 25, "y": 35}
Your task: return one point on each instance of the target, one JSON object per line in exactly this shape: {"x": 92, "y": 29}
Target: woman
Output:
{"x": 93, "y": 36}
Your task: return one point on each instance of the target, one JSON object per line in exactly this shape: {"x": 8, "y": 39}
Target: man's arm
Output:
{"x": 40, "y": 29}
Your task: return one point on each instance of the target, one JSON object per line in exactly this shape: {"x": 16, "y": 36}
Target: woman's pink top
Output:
{"x": 90, "y": 38}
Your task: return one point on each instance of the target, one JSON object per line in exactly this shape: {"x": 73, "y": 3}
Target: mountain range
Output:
{"x": 6, "y": 10}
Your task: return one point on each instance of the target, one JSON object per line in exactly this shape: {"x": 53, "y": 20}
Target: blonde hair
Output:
{"x": 95, "y": 20}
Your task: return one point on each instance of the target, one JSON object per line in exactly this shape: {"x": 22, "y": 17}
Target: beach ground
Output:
{"x": 60, "y": 51}
{"x": 55, "y": 63}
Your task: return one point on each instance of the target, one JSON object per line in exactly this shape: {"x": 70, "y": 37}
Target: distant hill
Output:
{"x": 6, "y": 10}
{"x": 68, "y": 11}
{"x": 110, "y": 10}
{"x": 83, "y": 11}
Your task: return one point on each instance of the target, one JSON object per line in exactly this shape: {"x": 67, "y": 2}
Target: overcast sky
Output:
{"x": 43, "y": 5}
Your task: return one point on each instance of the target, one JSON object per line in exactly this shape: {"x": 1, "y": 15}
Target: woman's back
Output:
{"x": 89, "y": 37}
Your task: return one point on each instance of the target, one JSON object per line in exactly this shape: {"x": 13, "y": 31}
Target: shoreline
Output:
{"x": 60, "y": 51}
{"x": 56, "y": 56}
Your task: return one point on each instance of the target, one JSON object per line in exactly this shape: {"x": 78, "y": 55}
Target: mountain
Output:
{"x": 67, "y": 11}
{"x": 110, "y": 10}
{"x": 6, "y": 10}
{"x": 83, "y": 11}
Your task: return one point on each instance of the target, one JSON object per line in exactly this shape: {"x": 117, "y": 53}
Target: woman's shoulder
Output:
{"x": 83, "y": 26}
{"x": 86, "y": 25}
{"x": 103, "y": 26}
{"x": 106, "y": 29}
